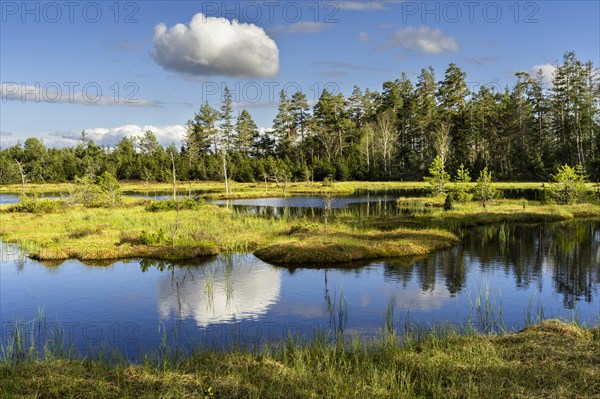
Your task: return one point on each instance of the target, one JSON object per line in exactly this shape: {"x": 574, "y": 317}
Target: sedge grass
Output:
{"x": 131, "y": 231}
{"x": 548, "y": 359}
{"x": 213, "y": 189}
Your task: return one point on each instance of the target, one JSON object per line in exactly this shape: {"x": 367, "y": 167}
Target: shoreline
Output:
{"x": 548, "y": 359}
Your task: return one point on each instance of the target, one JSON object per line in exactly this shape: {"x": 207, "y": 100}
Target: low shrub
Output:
{"x": 172, "y": 205}
{"x": 143, "y": 238}
{"x": 37, "y": 205}
{"x": 147, "y": 238}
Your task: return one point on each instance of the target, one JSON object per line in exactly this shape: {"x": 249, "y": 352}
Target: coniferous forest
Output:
{"x": 522, "y": 133}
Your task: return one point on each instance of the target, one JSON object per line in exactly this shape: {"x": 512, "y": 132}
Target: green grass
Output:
{"x": 341, "y": 246}
{"x": 473, "y": 214}
{"x": 211, "y": 189}
{"x": 518, "y": 211}
{"x": 133, "y": 231}
{"x": 549, "y": 360}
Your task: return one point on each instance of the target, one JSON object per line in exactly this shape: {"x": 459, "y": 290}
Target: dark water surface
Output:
{"x": 513, "y": 271}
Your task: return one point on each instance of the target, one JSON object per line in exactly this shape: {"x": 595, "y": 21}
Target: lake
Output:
{"x": 311, "y": 206}
{"x": 519, "y": 271}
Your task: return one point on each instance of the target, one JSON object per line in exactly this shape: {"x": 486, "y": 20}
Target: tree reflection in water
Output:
{"x": 570, "y": 251}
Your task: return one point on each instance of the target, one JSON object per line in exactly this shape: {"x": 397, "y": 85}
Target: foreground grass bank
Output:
{"x": 132, "y": 231}
{"x": 549, "y": 360}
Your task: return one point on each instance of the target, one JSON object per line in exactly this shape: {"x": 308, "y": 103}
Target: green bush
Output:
{"x": 484, "y": 190}
{"x": 569, "y": 186}
{"x": 152, "y": 238}
{"x": 172, "y": 205}
{"x": 461, "y": 193}
{"x": 96, "y": 192}
{"x": 110, "y": 188}
{"x": 37, "y": 205}
{"x": 439, "y": 177}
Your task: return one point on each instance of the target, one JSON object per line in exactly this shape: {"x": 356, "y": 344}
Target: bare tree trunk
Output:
{"x": 224, "y": 156}
{"x": 265, "y": 176}
{"x": 23, "y": 177}
{"x": 174, "y": 177}
{"x": 368, "y": 163}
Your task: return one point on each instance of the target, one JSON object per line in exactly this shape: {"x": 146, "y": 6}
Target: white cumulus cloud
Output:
{"x": 110, "y": 136}
{"x": 216, "y": 46}
{"x": 422, "y": 40}
{"x": 547, "y": 72}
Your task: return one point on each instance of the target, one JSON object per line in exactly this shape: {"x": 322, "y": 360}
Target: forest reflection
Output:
{"x": 569, "y": 252}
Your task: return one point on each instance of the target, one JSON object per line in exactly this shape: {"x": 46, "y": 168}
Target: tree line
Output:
{"x": 522, "y": 133}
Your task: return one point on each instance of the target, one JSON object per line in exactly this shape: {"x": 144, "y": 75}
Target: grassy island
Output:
{"x": 55, "y": 230}
{"x": 342, "y": 246}
{"x": 132, "y": 231}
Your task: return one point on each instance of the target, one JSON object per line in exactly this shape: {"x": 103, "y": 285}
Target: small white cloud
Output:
{"x": 423, "y": 40}
{"x": 216, "y": 46}
{"x": 301, "y": 27}
{"x": 52, "y": 142}
{"x": 363, "y": 37}
{"x": 360, "y": 5}
{"x": 110, "y": 136}
{"x": 547, "y": 72}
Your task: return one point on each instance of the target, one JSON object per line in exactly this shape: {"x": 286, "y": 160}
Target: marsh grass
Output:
{"x": 550, "y": 358}
{"x": 216, "y": 190}
{"x": 140, "y": 228}
{"x": 132, "y": 231}
{"x": 344, "y": 245}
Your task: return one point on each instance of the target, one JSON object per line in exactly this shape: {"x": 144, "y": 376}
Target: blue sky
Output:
{"x": 66, "y": 67}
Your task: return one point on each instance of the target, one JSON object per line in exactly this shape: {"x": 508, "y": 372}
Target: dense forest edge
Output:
{"x": 522, "y": 133}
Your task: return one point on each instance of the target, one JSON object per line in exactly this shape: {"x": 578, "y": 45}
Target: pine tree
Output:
{"x": 283, "y": 124}
{"x": 452, "y": 94}
{"x": 483, "y": 123}
{"x": 332, "y": 124}
{"x": 461, "y": 193}
{"x": 299, "y": 108}
{"x": 425, "y": 114}
{"x": 355, "y": 107}
{"x": 226, "y": 118}
{"x": 484, "y": 190}
{"x": 439, "y": 177}
{"x": 246, "y": 133}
